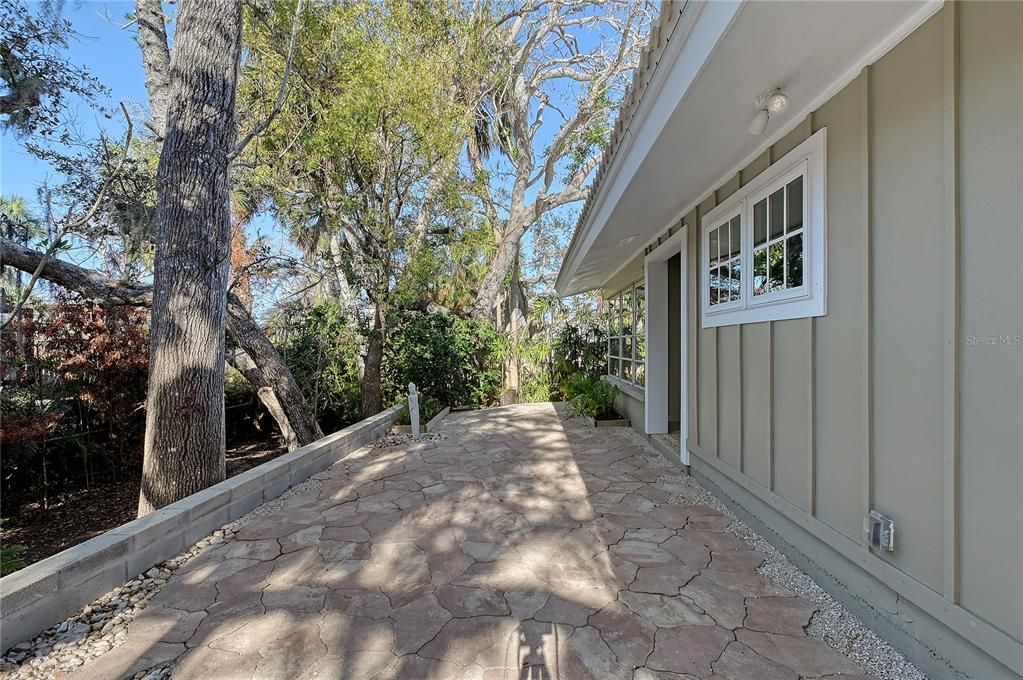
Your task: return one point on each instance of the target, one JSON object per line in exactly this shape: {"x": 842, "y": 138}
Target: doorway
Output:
{"x": 666, "y": 395}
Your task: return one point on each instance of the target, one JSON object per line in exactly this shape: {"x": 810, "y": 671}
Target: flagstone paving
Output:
{"x": 522, "y": 546}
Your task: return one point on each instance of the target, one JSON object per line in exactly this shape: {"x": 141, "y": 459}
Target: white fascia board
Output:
{"x": 887, "y": 42}
{"x": 689, "y": 48}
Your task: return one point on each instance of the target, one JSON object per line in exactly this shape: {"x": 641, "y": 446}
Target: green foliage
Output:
{"x": 321, "y": 347}
{"x": 10, "y": 557}
{"x": 550, "y": 360}
{"x": 453, "y": 361}
{"x": 403, "y": 417}
{"x": 37, "y": 80}
{"x": 591, "y": 397}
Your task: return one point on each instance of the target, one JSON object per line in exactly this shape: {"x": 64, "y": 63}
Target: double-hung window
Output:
{"x": 763, "y": 254}
{"x": 626, "y": 344}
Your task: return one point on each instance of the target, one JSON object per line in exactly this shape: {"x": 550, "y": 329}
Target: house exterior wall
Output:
{"x": 907, "y": 396}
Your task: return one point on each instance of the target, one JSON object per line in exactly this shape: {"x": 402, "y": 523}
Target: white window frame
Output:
{"x": 631, "y": 385}
{"x": 809, "y": 160}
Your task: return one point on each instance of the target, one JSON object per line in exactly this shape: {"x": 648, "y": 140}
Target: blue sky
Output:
{"x": 111, "y": 54}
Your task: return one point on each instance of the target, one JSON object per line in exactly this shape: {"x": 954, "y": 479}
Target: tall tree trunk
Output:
{"x": 184, "y": 443}
{"x": 258, "y": 349}
{"x": 372, "y": 398}
{"x": 502, "y": 264}
{"x": 516, "y": 310}
{"x": 152, "y": 39}
{"x": 273, "y": 382}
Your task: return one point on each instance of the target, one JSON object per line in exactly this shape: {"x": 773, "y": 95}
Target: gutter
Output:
{"x": 622, "y": 136}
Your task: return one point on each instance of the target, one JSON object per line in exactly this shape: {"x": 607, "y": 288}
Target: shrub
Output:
{"x": 71, "y": 405}
{"x": 591, "y": 397}
{"x": 550, "y": 360}
{"x": 452, "y": 361}
{"x": 321, "y": 346}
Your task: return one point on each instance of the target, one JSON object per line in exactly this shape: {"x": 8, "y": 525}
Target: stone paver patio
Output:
{"x": 523, "y": 546}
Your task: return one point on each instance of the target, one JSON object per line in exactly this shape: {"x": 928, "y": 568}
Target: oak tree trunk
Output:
{"x": 515, "y": 311}
{"x": 243, "y": 363}
{"x": 184, "y": 442}
{"x": 502, "y": 264}
{"x": 372, "y": 399}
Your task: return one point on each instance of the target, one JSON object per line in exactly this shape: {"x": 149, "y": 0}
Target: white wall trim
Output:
{"x": 655, "y": 409}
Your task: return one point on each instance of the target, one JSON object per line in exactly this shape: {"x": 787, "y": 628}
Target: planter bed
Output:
{"x": 52, "y": 589}
{"x": 614, "y": 422}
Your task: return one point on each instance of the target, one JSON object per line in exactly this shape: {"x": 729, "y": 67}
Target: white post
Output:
{"x": 413, "y": 409}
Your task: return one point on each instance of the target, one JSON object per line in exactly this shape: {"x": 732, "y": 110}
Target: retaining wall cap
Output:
{"x": 26, "y": 596}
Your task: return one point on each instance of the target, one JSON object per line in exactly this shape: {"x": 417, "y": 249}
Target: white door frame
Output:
{"x": 655, "y": 266}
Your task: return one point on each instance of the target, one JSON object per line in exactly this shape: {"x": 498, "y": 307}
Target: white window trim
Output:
{"x": 635, "y": 389}
{"x": 808, "y": 159}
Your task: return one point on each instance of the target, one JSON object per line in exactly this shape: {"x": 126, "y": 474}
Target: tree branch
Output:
{"x": 281, "y": 91}
{"x": 71, "y": 224}
{"x": 89, "y": 283}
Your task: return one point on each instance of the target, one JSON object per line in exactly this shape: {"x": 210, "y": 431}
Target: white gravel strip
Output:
{"x": 832, "y": 623}
{"x": 101, "y": 625}
{"x": 390, "y": 440}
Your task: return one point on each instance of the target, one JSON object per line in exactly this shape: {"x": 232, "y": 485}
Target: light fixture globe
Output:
{"x": 777, "y": 103}
{"x": 768, "y": 102}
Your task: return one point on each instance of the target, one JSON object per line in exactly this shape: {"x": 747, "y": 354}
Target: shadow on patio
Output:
{"x": 523, "y": 546}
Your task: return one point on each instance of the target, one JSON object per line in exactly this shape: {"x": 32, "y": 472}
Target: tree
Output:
{"x": 589, "y": 46}
{"x": 251, "y": 352}
{"x": 357, "y": 162}
{"x": 36, "y": 77}
{"x": 185, "y": 436}
{"x": 156, "y": 60}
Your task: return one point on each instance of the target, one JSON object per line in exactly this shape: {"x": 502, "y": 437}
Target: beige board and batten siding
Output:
{"x": 907, "y": 397}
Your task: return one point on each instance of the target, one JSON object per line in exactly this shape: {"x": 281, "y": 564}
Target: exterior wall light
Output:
{"x": 767, "y": 102}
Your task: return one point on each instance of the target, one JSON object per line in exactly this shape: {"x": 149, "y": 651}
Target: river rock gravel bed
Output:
{"x": 101, "y": 625}
{"x": 832, "y": 622}
{"x": 390, "y": 440}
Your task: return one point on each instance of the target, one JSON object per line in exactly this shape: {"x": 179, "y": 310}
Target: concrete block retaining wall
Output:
{"x": 53, "y": 589}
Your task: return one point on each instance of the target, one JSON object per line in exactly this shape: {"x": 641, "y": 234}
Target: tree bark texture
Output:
{"x": 502, "y": 264}
{"x": 184, "y": 443}
{"x": 274, "y": 383}
{"x": 372, "y": 398}
{"x": 262, "y": 357}
{"x": 156, "y": 59}
{"x": 243, "y": 363}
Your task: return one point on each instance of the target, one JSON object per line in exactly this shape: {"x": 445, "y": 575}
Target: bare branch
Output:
{"x": 88, "y": 283}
